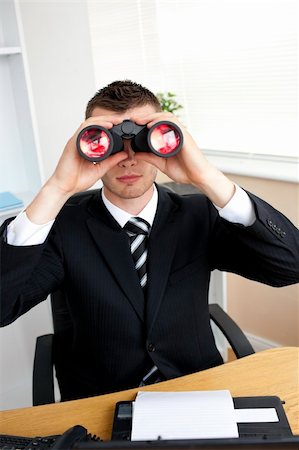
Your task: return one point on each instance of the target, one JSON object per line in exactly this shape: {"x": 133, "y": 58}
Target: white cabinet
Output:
{"x": 19, "y": 167}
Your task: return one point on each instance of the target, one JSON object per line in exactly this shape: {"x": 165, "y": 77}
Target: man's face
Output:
{"x": 131, "y": 178}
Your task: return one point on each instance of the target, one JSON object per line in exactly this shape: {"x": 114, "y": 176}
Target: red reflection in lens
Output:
{"x": 94, "y": 143}
{"x": 165, "y": 139}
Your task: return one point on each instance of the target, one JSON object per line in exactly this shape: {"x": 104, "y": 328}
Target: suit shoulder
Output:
{"x": 185, "y": 195}
{"x": 77, "y": 206}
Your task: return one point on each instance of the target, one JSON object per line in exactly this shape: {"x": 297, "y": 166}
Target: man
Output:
{"x": 122, "y": 331}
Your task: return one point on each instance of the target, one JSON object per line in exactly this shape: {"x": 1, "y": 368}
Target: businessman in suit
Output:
{"x": 123, "y": 331}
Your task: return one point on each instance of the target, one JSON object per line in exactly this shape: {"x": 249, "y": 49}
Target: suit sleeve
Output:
{"x": 267, "y": 251}
{"x": 28, "y": 274}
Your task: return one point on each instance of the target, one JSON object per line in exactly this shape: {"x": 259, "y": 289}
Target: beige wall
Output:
{"x": 270, "y": 313}
{"x": 263, "y": 311}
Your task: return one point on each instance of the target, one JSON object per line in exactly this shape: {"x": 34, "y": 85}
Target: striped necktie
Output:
{"x": 137, "y": 230}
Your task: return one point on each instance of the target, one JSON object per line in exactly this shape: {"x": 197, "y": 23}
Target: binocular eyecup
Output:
{"x": 95, "y": 143}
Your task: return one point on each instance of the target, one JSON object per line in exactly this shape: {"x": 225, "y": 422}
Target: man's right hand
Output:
{"x": 72, "y": 174}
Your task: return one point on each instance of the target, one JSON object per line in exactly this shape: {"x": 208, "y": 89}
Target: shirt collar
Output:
{"x": 148, "y": 213}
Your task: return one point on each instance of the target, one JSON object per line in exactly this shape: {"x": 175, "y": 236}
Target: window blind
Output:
{"x": 232, "y": 64}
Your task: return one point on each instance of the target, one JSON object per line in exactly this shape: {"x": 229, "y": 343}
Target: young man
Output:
{"x": 120, "y": 329}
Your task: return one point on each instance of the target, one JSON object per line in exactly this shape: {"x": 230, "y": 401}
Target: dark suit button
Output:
{"x": 151, "y": 347}
{"x": 271, "y": 224}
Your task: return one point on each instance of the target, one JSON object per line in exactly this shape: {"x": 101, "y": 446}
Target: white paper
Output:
{"x": 184, "y": 415}
{"x": 256, "y": 415}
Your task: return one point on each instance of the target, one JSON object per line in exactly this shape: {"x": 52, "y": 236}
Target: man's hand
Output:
{"x": 189, "y": 166}
{"x": 72, "y": 174}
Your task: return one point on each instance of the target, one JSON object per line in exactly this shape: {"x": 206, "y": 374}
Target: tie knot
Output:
{"x": 136, "y": 225}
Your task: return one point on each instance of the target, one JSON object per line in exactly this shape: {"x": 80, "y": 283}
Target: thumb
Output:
{"x": 112, "y": 161}
{"x": 150, "y": 158}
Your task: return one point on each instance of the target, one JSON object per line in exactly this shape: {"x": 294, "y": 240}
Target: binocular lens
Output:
{"x": 94, "y": 143}
{"x": 165, "y": 139}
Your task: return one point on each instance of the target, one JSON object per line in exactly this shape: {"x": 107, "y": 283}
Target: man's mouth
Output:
{"x": 129, "y": 178}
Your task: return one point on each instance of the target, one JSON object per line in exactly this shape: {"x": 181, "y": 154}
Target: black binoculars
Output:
{"x": 96, "y": 143}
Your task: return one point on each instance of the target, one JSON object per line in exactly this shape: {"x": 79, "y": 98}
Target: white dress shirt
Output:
{"x": 21, "y": 231}
{"x": 148, "y": 213}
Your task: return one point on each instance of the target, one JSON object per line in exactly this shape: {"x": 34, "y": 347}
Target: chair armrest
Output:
{"x": 233, "y": 333}
{"x": 43, "y": 378}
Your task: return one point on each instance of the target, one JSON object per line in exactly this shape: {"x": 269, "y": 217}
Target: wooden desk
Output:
{"x": 271, "y": 372}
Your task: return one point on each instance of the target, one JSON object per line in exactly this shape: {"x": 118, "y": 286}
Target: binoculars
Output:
{"x": 96, "y": 143}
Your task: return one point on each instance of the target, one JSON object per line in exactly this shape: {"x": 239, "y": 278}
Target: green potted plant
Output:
{"x": 168, "y": 102}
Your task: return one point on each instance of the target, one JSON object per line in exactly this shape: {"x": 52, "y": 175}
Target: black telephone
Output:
{"x": 65, "y": 441}
{"x": 70, "y": 437}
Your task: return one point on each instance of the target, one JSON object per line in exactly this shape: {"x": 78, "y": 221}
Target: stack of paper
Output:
{"x": 184, "y": 415}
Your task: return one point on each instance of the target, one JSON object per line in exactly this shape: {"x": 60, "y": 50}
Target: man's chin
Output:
{"x": 131, "y": 192}
{"x": 128, "y": 192}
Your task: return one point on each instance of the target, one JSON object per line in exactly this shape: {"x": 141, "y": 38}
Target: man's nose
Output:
{"x": 130, "y": 161}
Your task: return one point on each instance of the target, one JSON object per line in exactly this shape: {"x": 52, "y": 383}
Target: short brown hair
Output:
{"x": 120, "y": 96}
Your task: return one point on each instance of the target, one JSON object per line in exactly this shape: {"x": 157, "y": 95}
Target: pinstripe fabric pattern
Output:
{"x": 137, "y": 230}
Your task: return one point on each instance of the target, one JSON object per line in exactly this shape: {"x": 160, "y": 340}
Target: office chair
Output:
{"x": 44, "y": 359}
{"x": 43, "y": 368}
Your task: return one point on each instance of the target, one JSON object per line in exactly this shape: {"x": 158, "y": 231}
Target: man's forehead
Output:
{"x": 138, "y": 110}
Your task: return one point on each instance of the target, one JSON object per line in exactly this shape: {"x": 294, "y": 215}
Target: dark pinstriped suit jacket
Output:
{"x": 117, "y": 334}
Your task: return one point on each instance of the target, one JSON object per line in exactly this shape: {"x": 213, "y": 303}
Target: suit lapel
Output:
{"x": 162, "y": 245}
{"x": 112, "y": 242}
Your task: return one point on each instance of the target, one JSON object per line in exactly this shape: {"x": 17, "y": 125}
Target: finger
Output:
{"x": 86, "y": 124}
{"x": 150, "y": 158}
{"x": 104, "y": 121}
{"x": 112, "y": 161}
{"x": 154, "y": 117}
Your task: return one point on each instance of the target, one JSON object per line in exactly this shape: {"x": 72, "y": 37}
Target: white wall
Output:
{"x": 56, "y": 47}
{"x": 17, "y": 344}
